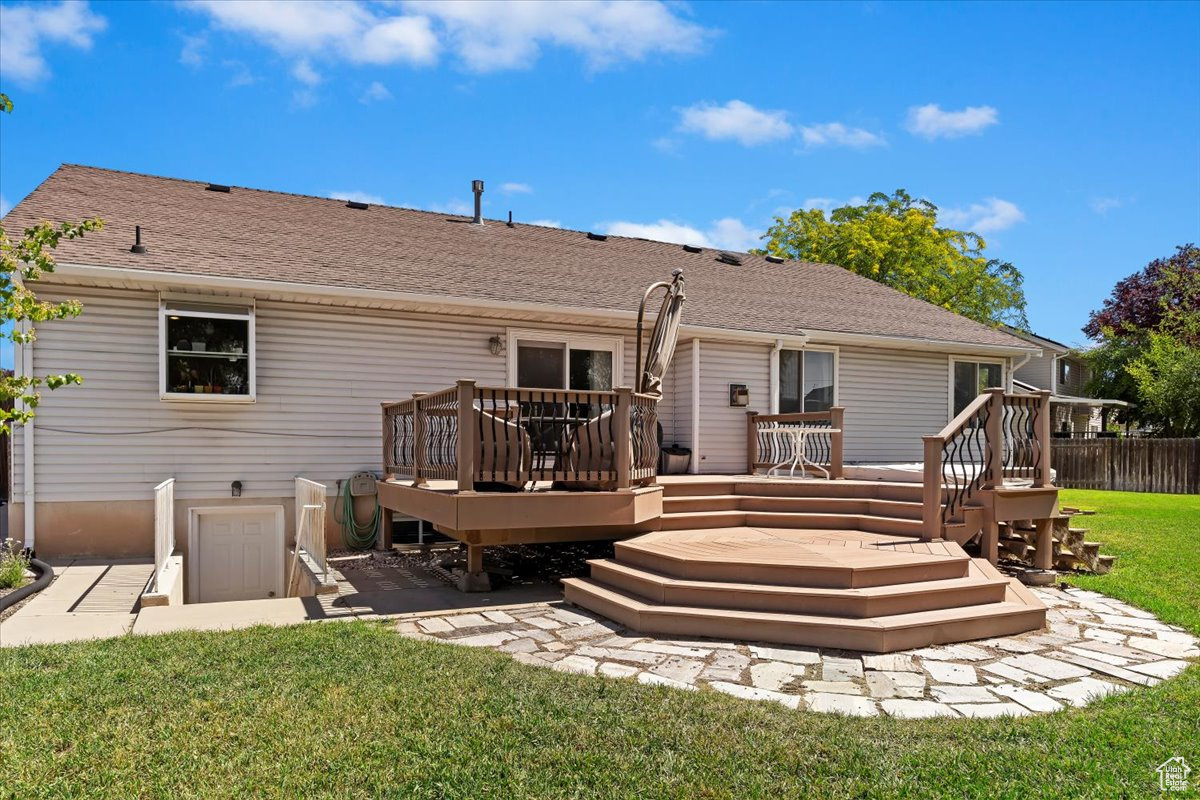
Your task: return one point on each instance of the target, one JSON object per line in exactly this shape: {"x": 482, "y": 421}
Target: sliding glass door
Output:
{"x": 806, "y": 380}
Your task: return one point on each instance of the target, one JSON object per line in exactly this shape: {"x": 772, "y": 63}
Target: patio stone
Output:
{"x": 916, "y": 709}
{"x": 992, "y": 710}
{"x": 434, "y": 625}
{"x": 1018, "y": 646}
{"x": 468, "y": 621}
{"x": 671, "y": 649}
{"x": 841, "y": 669}
{"x": 1167, "y": 668}
{"x": 545, "y": 623}
{"x": 1047, "y": 669}
{"x": 730, "y": 659}
{"x": 519, "y": 646}
{"x": 556, "y": 646}
{"x": 1181, "y": 637}
{"x": 774, "y": 674}
{"x": 751, "y": 693}
{"x": 1098, "y": 655}
{"x": 1034, "y": 701}
{"x": 1049, "y": 640}
{"x": 621, "y": 641}
{"x": 537, "y": 634}
{"x": 891, "y": 662}
{"x": 1137, "y": 623}
{"x": 684, "y": 670}
{"x": 1104, "y": 635}
{"x": 1010, "y": 672}
{"x": 953, "y": 652}
{"x": 611, "y": 670}
{"x": 580, "y": 664}
{"x": 569, "y": 617}
{"x": 962, "y": 694}
{"x": 583, "y": 632}
{"x": 703, "y": 644}
{"x": 1127, "y": 653}
{"x": 617, "y": 654}
{"x": 896, "y": 684}
{"x": 842, "y": 704}
{"x": 1083, "y": 691}
{"x": 833, "y": 687}
{"x": 1162, "y": 647}
{"x": 791, "y": 655}
{"x": 653, "y": 679}
{"x": 499, "y": 617}
{"x": 944, "y": 672}
{"x": 494, "y": 639}
{"x": 1106, "y": 669}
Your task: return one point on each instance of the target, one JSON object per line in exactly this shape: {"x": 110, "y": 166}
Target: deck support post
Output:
{"x": 989, "y": 539}
{"x": 467, "y": 436}
{"x": 1043, "y": 552}
{"x": 474, "y": 579}
{"x": 387, "y": 525}
{"x": 994, "y": 433}
{"x": 837, "y": 415}
{"x": 931, "y": 500}
{"x": 623, "y": 446}
{"x": 1041, "y": 434}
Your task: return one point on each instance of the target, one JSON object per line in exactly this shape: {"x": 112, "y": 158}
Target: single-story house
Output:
{"x": 236, "y": 338}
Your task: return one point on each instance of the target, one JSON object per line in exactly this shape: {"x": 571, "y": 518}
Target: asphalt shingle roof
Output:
{"x": 273, "y": 236}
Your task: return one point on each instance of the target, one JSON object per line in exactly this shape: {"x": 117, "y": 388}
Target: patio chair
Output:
{"x": 503, "y": 448}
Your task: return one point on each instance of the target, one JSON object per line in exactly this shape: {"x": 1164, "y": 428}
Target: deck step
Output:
{"x": 873, "y": 523}
{"x": 873, "y": 601}
{"x": 726, "y": 564}
{"x": 870, "y": 634}
{"x": 814, "y": 505}
{"x": 783, "y": 487}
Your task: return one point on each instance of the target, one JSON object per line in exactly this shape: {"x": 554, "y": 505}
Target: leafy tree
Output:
{"x": 1168, "y": 382}
{"x": 1140, "y": 302}
{"x": 896, "y": 241}
{"x": 21, "y": 261}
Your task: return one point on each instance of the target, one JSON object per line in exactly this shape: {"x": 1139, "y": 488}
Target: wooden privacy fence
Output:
{"x": 1169, "y": 466}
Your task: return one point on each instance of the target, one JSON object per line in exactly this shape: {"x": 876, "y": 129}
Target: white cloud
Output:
{"x": 25, "y": 29}
{"x": 546, "y": 223}
{"x": 516, "y": 188}
{"x": 458, "y": 207}
{"x": 375, "y": 93}
{"x": 347, "y": 30}
{"x": 723, "y": 234}
{"x": 835, "y": 134}
{"x": 491, "y": 36}
{"x": 242, "y": 76}
{"x": 736, "y": 120}
{"x": 359, "y": 197}
{"x": 304, "y": 73}
{"x": 1103, "y": 205}
{"x": 484, "y": 36}
{"x": 830, "y": 203}
{"x": 192, "y": 53}
{"x": 931, "y": 122}
{"x": 993, "y": 214}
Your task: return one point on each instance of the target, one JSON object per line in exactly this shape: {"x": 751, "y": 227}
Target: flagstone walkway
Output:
{"x": 1093, "y": 646}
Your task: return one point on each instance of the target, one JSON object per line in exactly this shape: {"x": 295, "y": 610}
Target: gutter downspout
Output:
{"x": 695, "y": 465}
{"x": 1012, "y": 369}
{"x": 773, "y": 377}
{"x": 24, "y": 367}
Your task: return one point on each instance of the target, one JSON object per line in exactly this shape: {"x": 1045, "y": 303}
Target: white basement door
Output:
{"x": 239, "y": 555}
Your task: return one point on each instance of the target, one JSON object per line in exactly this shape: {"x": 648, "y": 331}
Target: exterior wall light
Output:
{"x": 496, "y": 345}
{"x": 739, "y": 395}
{"x": 235, "y": 488}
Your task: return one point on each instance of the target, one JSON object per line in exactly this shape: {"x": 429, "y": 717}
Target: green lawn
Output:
{"x": 352, "y": 710}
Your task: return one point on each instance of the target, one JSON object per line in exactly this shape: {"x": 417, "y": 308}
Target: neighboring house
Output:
{"x": 1064, "y": 372}
{"x": 255, "y": 337}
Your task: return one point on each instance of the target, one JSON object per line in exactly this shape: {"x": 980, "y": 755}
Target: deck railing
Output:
{"x": 765, "y": 449}
{"x": 497, "y": 437}
{"x": 997, "y": 436}
{"x": 310, "y": 527}
{"x": 164, "y": 528}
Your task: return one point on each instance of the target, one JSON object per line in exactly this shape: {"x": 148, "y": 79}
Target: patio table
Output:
{"x": 799, "y": 436}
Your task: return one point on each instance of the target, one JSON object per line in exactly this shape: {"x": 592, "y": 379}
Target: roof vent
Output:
{"x": 729, "y": 258}
{"x": 597, "y": 237}
{"x": 356, "y": 205}
{"x": 138, "y": 247}
{"x": 691, "y": 248}
{"x": 510, "y": 222}
{"x": 775, "y": 259}
{"x": 217, "y": 187}
{"x": 477, "y": 188}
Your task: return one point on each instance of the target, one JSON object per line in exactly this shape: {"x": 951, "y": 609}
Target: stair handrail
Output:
{"x": 960, "y": 461}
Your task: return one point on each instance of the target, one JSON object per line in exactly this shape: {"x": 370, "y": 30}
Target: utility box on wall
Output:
{"x": 739, "y": 395}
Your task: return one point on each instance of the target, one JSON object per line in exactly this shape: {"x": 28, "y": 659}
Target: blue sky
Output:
{"x": 1067, "y": 134}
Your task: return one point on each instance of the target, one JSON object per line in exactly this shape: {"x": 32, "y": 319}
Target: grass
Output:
{"x": 352, "y": 710}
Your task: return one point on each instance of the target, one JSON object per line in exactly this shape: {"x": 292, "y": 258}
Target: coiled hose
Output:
{"x": 354, "y": 535}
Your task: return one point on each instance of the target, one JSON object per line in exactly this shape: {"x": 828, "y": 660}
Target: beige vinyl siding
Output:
{"x": 1038, "y": 372}
{"x": 723, "y": 429}
{"x": 322, "y": 374}
{"x": 677, "y": 402}
{"x": 892, "y": 398}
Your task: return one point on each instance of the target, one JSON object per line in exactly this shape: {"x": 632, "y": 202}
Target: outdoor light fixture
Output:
{"x": 739, "y": 395}
{"x": 496, "y": 345}
{"x": 235, "y": 488}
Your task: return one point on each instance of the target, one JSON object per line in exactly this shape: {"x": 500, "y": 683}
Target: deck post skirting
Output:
{"x": 1042, "y": 432}
{"x": 995, "y": 438}
{"x": 751, "y": 441}
{"x": 837, "y": 418}
{"x": 466, "y": 436}
{"x": 623, "y": 447}
{"x": 419, "y": 453}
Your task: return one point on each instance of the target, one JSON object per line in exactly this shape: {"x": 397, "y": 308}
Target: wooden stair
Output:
{"x": 1071, "y": 548}
{"x": 819, "y": 563}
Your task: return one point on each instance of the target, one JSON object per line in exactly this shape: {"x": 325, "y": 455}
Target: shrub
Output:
{"x": 13, "y": 563}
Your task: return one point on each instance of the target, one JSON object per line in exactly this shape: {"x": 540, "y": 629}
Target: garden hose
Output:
{"x": 354, "y": 535}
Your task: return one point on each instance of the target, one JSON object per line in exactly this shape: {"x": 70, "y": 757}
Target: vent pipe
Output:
{"x": 477, "y": 188}
{"x": 138, "y": 247}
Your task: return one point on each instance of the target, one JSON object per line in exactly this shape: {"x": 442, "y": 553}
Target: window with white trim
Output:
{"x": 206, "y": 352}
{"x": 971, "y": 379}
{"x": 549, "y": 360}
{"x": 807, "y": 380}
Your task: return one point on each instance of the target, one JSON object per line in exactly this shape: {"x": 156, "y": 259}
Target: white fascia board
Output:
{"x": 248, "y": 285}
